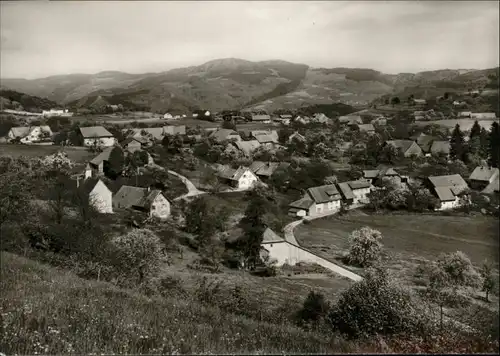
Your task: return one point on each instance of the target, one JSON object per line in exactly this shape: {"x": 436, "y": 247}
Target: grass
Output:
{"x": 465, "y": 124}
{"x": 76, "y": 154}
{"x": 408, "y": 239}
{"x": 48, "y": 311}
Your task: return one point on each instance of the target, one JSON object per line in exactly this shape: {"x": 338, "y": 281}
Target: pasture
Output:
{"x": 465, "y": 124}
{"x": 408, "y": 239}
{"x": 76, "y": 154}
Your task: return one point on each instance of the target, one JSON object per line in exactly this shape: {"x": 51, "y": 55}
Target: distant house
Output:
{"x": 265, "y": 119}
{"x": 56, "y": 112}
{"x": 355, "y": 192}
{"x": 207, "y": 113}
{"x": 320, "y": 118}
{"x": 241, "y": 178}
{"x": 464, "y": 114}
{"x": 296, "y": 136}
{"x": 425, "y": 142}
{"x": 270, "y": 133}
{"x": 384, "y": 174}
{"x": 322, "y": 200}
{"x": 448, "y": 189}
{"x": 459, "y": 103}
{"x": 483, "y": 176}
{"x": 408, "y": 147}
{"x": 264, "y": 170}
{"x": 28, "y": 135}
{"x": 351, "y": 120}
{"x": 247, "y": 147}
{"x": 96, "y": 136}
{"x": 133, "y": 143}
{"x": 225, "y": 134}
{"x": 304, "y": 120}
{"x": 368, "y": 128}
{"x": 285, "y": 117}
{"x": 152, "y": 202}
{"x": 156, "y": 133}
{"x": 268, "y": 141}
{"x": 420, "y": 101}
{"x": 97, "y": 193}
{"x": 168, "y": 116}
{"x": 440, "y": 148}
{"x": 483, "y": 116}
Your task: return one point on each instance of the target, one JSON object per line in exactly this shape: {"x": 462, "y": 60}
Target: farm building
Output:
{"x": 355, "y": 192}
{"x": 273, "y": 134}
{"x": 241, "y": 178}
{"x": 152, "y": 202}
{"x": 97, "y": 193}
{"x": 448, "y": 190}
{"x": 383, "y": 175}
{"x": 296, "y": 136}
{"x": 265, "y": 119}
{"x": 425, "y": 142}
{"x": 483, "y": 176}
{"x": 31, "y": 134}
{"x": 322, "y": 200}
{"x": 96, "y": 136}
{"x": 247, "y": 147}
{"x": 408, "y": 147}
{"x": 264, "y": 170}
{"x": 351, "y": 120}
{"x": 320, "y": 118}
{"x": 132, "y": 144}
{"x": 225, "y": 134}
{"x": 97, "y": 163}
{"x": 464, "y": 114}
{"x": 304, "y": 120}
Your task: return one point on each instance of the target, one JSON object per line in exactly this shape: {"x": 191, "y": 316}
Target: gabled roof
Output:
{"x": 267, "y": 169}
{"x": 272, "y": 133}
{"x": 156, "y": 132}
{"x": 452, "y": 180}
{"x": 23, "y": 131}
{"x": 324, "y": 193}
{"x": 128, "y": 196}
{"x": 95, "y": 131}
{"x": 493, "y": 187}
{"x": 483, "y": 174}
{"x": 322, "y": 118}
{"x": 101, "y": 157}
{"x": 230, "y": 173}
{"x": 247, "y": 147}
{"x": 370, "y": 173}
{"x": 254, "y": 167}
{"x": 132, "y": 139}
{"x": 86, "y": 185}
{"x": 404, "y": 145}
{"x": 297, "y": 136}
{"x": 303, "y": 203}
{"x": 346, "y": 191}
{"x": 223, "y": 134}
{"x": 266, "y": 139}
{"x": 445, "y": 193}
{"x": 269, "y": 236}
{"x": 379, "y": 173}
{"x": 440, "y": 147}
{"x": 358, "y": 184}
{"x": 425, "y": 141}
{"x": 148, "y": 198}
{"x": 366, "y": 127}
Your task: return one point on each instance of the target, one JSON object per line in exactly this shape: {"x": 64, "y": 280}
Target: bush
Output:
{"x": 315, "y": 307}
{"x": 365, "y": 247}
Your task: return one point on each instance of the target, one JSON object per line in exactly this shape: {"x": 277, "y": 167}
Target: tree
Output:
{"x": 459, "y": 269}
{"x": 315, "y": 307}
{"x": 475, "y": 130}
{"x": 116, "y": 162}
{"x": 365, "y": 246}
{"x": 395, "y": 101}
{"x": 137, "y": 254}
{"x": 489, "y": 280}
{"x": 457, "y": 143}
{"x": 14, "y": 195}
{"x": 494, "y": 145}
{"x": 229, "y": 125}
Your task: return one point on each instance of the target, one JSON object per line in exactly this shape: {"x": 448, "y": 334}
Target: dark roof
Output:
{"x": 358, "y": 184}
{"x": 95, "y": 131}
{"x": 448, "y": 181}
{"x": 101, "y": 157}
{"x": 222, "y": 134}
{"x": 128, "y": 196}
{"x": 371, "y": 173}
{"x": 247, "y": 147}
{"x": 401, "y": 144}
{"x": 346, "y": 191}
{"x": 230, "y": 173}
{"x": 324, "y": 193}
{"x": 303, "y": 203}
{"x": 483, "y": 174}
{"x": 148, "y": 199}
{"x": 425, "y": 142}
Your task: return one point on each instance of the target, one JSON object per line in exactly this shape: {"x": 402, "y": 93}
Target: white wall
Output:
{"x": 325, "y": 208}
{"x": 102, "y": 198}
{"x": 447, "y": 205}
{"x": 160, "y": 207}
{"x": 247, "y": 180}
{"x": 360, "y": 195}
{"x": 103, "y": 141}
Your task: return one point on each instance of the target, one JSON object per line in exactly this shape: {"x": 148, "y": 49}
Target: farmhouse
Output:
{"x": 132, "y": 144}
{"x": 97, "y": 193}
{"x": 152, "y": 202}
{"x": 464, "y": 114}
{"x": 30, "y": 134}
{"x": 448, "y": 190}
{"x": 247, "y": 147}
{"x": 264, "y": 170}
{"x": 408, "y": 147}
{"x": 351, "y": 120}
{"x": 304, "y": 120}
{"x": 355, "y": 192}
{"x": 270, "y": 133}
{"x": 368, "y": 128}
{"x": 98, "y": 162}
{"x": 96, "y": 136}
{"x": 382, "y": 175}
{"x": 265, "y": 119}
{"x": 225, "y": 134}
{"x": 483, "y": 176}
{"x": 296, "y": 136}
{"x": 56, "y": 112}
{"x": 241, "y": 178}
{"x": 425, "y": 142}
{"x": 440, "y": 148}
{"x": 322, "y": 200}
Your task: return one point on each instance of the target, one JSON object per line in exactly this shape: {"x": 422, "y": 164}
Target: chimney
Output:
{"x": 148, "y": 189}
{"x": 77, "y": 181}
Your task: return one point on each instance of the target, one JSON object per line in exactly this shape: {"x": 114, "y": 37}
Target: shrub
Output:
{"x": 315, "y": 307}
{"x": 365, "y": 246}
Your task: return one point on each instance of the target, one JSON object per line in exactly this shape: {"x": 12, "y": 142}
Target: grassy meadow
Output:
{"x": 76, "y": 154}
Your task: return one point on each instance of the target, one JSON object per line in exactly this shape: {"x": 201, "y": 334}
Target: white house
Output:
{"x": 322, "y": 200}
{"x": 448, "y": 190}
{"x": 31, "y": 134}
{"x": 207, "y": 113}
{"x": 97, "y": 136}
{"x": 152, "y": 202}
{"x": 355, "y": 192}
{"x": 241, "y": 178}
{"x": 56, "y": 112}
{"x": 99, "y": 195}
{"x": 195, "y": 115}
{"x": 168, "y": 116}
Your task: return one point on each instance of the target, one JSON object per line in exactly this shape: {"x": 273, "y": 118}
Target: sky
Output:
{"x": 42, "y": 38}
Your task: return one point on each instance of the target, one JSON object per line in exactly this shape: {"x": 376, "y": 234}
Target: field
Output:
{"x": 408, "y": 239}
{"x": 465, "y": 124}
{"x": 76, "y": 154}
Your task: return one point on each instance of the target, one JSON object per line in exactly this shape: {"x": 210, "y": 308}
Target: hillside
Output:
{"x": 233, "y": 83}
{"x": 10, "y": 99}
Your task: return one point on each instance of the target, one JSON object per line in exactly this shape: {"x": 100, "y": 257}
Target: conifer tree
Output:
{"x": 457, "y": 144}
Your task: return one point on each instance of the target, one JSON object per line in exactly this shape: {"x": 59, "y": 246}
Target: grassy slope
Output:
{"x": 408, "y": 239}
{"x": 49, "y": 311}
{"x": 77, "y": 154}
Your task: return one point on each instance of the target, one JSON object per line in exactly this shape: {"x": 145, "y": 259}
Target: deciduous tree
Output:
{"x": 365, "y": 246}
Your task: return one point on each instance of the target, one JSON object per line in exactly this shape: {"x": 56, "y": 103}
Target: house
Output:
{"x": 351, "y": 120}
{"x": 168, "y": 116}
{"x": 355, "y": 192}
{"x": 28, "y": 135}
{"x": 368, "y": 128}
{"x": 241, "y": 178}
{"x": 408, "y": 147}
{"x": 132, "y": 144}
{"x": 464, "y": 114}
{"x": 304, "y": 120}
{"x": 483, "y": 176}
{"x": 265, "y": 119}
{"x": 419, "y": 101}
{"x": 56, "y": 112}
{"x": 380, "y": 121}
{"x": 493, "y": 187}
{"x": 447, "y": 189}
{"x": 459, "y": 103}
{"x": 97, "y": 193}
{"x": 321, "y": 118}
{"x": 152, "y": 202}
{"x": 382, "y": 175}
{"x": 285, "y": 117}
{"x": 271, "y": 133}
{"x": 296, "y": 136}
{"x": 268, "y": 141}
{"x": 225, "y": 134}
{"x": 247, "y": 147}
{"x": 98, "y": 162}
{"x": 322, "y": 200}
{"x": 425, "y": 142}
{"x": 96, "y": 136}
{"x": 440, "y": 148}
{"x": 264, "y": 170}
{"x": 483, "y": 115}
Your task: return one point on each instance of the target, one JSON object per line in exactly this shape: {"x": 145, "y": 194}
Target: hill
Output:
{"x": 10, "y": 99}
{"x": 232, "y": 83}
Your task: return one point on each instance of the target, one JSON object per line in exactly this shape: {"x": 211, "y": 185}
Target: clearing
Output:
{"x": 465, "y": 124}
{"x": 76, "y": 154}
